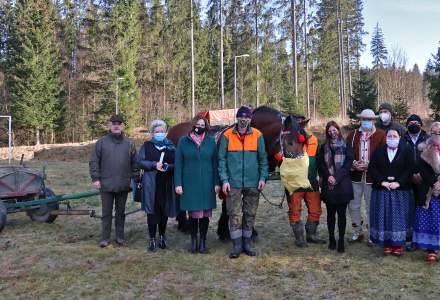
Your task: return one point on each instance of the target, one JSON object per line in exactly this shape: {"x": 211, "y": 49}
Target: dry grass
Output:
{"x": 62, "y": 260}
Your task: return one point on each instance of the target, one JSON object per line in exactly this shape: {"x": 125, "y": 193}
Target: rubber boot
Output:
{"x": 311, "y": 233}
{"x": 236, "y": 248}
{"x": 247, "y": 247}
{"x": 298, "y": 231}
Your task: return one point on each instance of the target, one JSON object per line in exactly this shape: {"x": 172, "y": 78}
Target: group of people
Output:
{"x": 393, "y": 170}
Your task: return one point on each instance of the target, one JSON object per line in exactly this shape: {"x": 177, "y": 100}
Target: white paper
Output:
{"x": 161, "y": 157}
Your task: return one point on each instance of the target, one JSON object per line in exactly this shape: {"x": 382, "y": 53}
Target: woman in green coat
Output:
{"x": 196, "y": 179}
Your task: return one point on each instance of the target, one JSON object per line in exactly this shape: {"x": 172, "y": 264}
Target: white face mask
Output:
{"x": 385, "y": 117}
{"x": 392, "y": 142}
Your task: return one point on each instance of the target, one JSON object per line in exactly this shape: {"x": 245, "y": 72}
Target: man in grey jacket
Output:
{"x": 112, "y": 165}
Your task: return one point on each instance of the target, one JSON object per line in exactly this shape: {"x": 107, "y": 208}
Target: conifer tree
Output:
{"x": 34, "y": 68}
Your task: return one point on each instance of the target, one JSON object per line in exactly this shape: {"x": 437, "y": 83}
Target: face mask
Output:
{"x": 366, "y": 124}
{"x": 243, "y": 123}
{"x": 159, "y": 136}
{"x": 199, "y": 130}
{"x": 414, "y": 128}
{"x": 333, "y": 135}
{"x": 392, "y": 142}
{"x": 385, "y": 117}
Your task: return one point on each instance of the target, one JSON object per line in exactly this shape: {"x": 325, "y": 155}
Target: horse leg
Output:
{"x": 223, "y": 227}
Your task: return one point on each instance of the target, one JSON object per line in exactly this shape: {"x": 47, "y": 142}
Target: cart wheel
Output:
{"x": 42, "y": 214}
{"x": 2, "y": 215}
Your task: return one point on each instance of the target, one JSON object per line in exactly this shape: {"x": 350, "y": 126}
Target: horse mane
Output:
{"x": 266, "y": 109}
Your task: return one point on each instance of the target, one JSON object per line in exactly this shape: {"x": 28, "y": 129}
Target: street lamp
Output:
{"x": 117, "y": 93}
{"x": 235, "y": 78}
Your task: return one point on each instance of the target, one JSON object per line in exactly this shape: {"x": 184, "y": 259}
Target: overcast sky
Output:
{"x": 412, "y": 25}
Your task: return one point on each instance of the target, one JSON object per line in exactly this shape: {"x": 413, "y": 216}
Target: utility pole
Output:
{"x": 306, "y": 59}
{"x": 294, "y": 46}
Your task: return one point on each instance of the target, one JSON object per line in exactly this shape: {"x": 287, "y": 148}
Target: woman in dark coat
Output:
{"x": 197, "y": 180}
{"x": 156, "y": 158}
{"x": 391, "y": 198}
{"x": 334, "y": 163}
{"x": 426, "y": 233}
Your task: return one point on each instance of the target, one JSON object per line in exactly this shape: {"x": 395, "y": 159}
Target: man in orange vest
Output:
{"x": 243, "y": 169}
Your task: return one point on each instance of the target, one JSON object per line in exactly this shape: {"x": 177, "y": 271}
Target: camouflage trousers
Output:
{"x": 242, "y": 207}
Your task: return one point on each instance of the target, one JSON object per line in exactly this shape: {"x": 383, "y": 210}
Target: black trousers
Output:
{"x": 341, "y": 211}
{"x": 108, "y": 200}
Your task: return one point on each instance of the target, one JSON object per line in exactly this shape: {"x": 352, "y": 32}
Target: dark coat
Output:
{"x": 399, "y": 170}
{"x": 378, "y": 139}
{"x": 415, "y": 152}
{"x": 342, "y": 192}
{"x": 113, "y": 162}
{"x": 196, "y": 171}
{"x": 148, "y": 157}
{"x": 429, "y": 170}
{"x": 392, "y": 125}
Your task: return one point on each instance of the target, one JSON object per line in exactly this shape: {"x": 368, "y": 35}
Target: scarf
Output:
{"x": 198, "y": 139}
{"x": 334, "y": 155}
{"x": 161, "y": 145}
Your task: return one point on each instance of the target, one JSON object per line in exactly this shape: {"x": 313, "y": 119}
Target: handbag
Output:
{"x": 137, "y": 197}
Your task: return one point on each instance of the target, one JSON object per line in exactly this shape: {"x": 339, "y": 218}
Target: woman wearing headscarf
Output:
{"x": 426, "y": 233}
{"x": 196, "y": 180}
{"x": 156, "y": 158}
{"x": 334, "y": 163}
{"x": 391, "y": 198}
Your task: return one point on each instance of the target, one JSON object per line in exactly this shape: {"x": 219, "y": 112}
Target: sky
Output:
{"x": 412, "y": 25}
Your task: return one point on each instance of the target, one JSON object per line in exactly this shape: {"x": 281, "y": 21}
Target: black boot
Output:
{"x": 152, "y": 245}
{"x": 311, "y": 233}
{"x": 194, "y": 244}
{"x": 203, "y": 227}
{"x": 236, "y": 248}
{"x": 162, "y": 242}
{"x": 341, "y": 245}
{"x": 247, "y": 247}
{"x": 332, "y": 242}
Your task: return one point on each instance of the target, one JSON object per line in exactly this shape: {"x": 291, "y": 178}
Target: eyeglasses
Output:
{"x": 435, "y": 133}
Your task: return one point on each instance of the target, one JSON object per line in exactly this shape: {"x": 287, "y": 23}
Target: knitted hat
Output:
{"x": 414, "y": 118}
{"x": 244, "y": 112}
{"x": 386, "y": 106}
{"x": 117, "y": 118}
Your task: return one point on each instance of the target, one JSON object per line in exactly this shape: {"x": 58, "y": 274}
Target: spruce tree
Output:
{"x": 364, "y": 94}
{"x": 432, "y": 77}
{"x": 34, "y": 68}
{"x": 378, "y": 49}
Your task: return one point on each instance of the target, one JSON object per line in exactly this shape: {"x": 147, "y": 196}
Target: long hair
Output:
{"x": 197, "y": 118}
{"x": 327, "y": 127}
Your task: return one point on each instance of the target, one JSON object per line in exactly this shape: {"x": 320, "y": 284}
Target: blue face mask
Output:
{"x": 159, "y": 136}
{"x": 366, "y": 124}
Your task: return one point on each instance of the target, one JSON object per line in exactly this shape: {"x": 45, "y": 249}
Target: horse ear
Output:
{"x": 288, "y": 122}
{"x": 304, "y": 122}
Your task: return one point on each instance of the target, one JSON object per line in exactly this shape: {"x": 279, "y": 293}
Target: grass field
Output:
{"x": 62, "y": 260}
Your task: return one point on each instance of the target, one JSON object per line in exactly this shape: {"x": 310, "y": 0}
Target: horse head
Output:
{"x": 293, "y": 136}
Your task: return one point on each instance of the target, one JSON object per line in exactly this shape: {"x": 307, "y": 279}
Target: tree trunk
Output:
{"x": 37, "y": 136}
{"x": 350, "y": 83}
{"x": 341, "y": 60}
